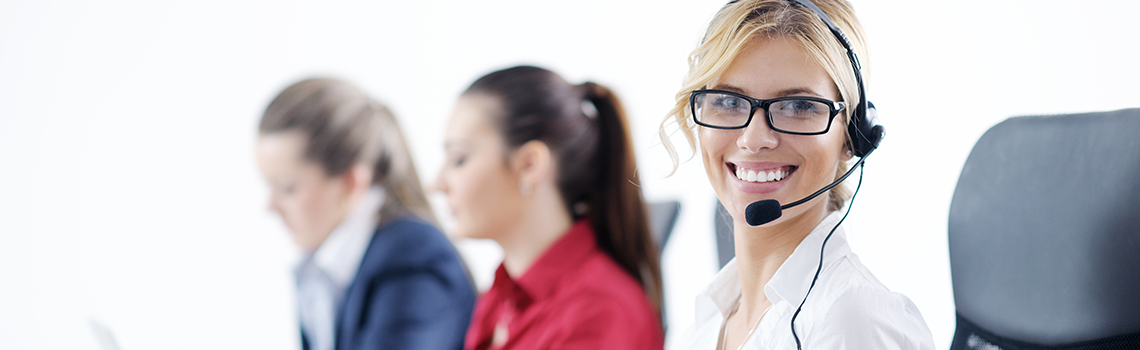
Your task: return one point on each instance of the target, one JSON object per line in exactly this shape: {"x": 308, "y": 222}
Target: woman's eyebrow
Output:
{"x": 782, "y": 93}
{"x": 449, "y": 144}
{"x": 796, "y": 91}
{"x": 729, "y": 88}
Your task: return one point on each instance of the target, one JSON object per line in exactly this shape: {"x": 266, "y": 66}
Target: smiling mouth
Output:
{"x": 761, "y": 175}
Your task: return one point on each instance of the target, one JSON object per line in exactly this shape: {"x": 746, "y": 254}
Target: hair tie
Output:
{"x": 589, "y": 109}
{"x": 580, "y": 208}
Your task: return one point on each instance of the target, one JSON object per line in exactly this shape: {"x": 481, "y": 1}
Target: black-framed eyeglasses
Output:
{"x": 796, "y": 115}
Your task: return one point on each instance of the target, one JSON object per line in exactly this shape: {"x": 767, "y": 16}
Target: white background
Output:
{"x": 129, "y": 195}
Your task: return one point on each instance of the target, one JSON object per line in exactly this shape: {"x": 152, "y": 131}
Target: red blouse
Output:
{"x": 575, "y": 296}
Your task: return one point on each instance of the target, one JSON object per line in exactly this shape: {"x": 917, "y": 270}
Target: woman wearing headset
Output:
{"x": 375, "y": 273}
{"x": 767, "y": 102}
{"x": 546, "y": 169}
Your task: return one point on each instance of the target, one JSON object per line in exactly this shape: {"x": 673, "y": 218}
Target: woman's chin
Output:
{"x": 307, "y": 245}
{"x": 462, "y": 232}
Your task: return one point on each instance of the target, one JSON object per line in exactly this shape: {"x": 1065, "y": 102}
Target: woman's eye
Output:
{"x": 728, "y": 102}
{"x": 799, "y": 108}
{"x": 458, "y": 161}
{"x": 803, "y": 107}
{"x": 288, "y": 190}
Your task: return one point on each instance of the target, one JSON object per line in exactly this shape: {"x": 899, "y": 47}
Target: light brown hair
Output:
{"x": 343, "y": 127}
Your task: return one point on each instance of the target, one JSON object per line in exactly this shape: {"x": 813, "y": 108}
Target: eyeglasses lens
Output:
{"x": 731, "y": 111}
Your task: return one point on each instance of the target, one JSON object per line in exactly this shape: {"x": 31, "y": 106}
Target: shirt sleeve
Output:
{"x": 867, "y": 318}
{"x": 602, "y": 323}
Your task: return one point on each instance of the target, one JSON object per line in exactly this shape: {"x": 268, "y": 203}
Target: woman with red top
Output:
{"x": 546, "y": 169}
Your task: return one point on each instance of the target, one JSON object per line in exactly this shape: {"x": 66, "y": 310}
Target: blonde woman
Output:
{"x": 774, "y": 104}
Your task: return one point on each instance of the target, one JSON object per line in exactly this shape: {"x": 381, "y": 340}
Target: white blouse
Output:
{"x": 324, "y": 275}
{"x": 847, "y": 309}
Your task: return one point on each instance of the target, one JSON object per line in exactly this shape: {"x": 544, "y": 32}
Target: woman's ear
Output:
{"x": 847, "y": 152}
{"x": 532, "y": 163}
{"x": 357, "y": 180}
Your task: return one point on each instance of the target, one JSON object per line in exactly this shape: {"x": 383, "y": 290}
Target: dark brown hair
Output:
{"x": 344, "y": 127}
{"x": 586, "y": 129}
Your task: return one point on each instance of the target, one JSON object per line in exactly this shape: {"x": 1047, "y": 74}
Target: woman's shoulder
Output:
{"x": 853, "y": 303}
{"x": 607, "y": 304}
{"x": 848, "y": 284}
{"x": 408, "y": 232}
{"x": 600, "y": 277}
{"x": 409, "y": 243}
{"x": 407, "y": 223}
{"x": 600, "y": 287}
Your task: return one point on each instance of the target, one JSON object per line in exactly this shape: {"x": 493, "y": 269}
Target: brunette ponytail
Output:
{"x": 617, "y": 209}
{"x": 585, "y": 128}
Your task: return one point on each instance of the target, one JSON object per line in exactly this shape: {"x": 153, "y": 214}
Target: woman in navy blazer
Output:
{"x": 375, "y": 273}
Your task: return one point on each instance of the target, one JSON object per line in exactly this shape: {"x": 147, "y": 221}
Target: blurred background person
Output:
{"x": 375, "y": 272}
{"x": 546, "y": 169}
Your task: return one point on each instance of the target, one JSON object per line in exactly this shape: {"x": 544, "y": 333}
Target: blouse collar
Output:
{"x": 340, "y": 254}
{"x": 560, "y": 259}
{"x": 791, "y": 280}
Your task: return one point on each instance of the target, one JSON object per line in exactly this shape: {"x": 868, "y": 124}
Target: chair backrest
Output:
{"x": 1044, "y": 233}
{"x": 662, "y": 218}
{"x": 725, "y": 241}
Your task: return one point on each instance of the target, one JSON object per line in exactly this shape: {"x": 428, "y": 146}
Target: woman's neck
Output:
{"x": 543, "y": 221}
{"x": 761, "y": 250}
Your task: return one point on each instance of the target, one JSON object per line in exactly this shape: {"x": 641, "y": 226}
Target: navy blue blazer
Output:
{"x": 411, "y": 292}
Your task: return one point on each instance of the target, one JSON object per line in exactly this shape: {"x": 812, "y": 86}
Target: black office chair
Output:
{"x": 725, "y": 241}
{"x": 662, "y": 217}
{"x": 1044, "y": 234}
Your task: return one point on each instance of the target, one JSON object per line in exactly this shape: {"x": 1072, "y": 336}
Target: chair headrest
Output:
{"x": 1044, "y": 228}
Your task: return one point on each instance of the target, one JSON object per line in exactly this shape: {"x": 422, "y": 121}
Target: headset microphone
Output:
{"x": 763, "y": 212}
{"x": 768, "y": 210}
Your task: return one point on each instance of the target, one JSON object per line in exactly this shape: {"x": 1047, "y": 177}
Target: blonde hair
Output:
{"x": 739, "y": 23}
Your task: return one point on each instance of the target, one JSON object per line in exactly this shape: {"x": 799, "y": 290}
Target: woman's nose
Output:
{"x": 438, "y": 184}
{"x": 271, "y": 203}
{"x": 757, "y": 135}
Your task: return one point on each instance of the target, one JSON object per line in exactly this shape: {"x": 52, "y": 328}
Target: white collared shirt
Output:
{"x": 325, "y": 275}
{"x": 847, "y": 309}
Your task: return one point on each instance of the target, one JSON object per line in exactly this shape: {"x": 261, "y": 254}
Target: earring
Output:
{"x": 525, "y": 190}
{"x": 850, "y": 154}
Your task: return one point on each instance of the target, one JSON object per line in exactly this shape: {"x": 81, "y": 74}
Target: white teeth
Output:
{"x": 753, "y": 176}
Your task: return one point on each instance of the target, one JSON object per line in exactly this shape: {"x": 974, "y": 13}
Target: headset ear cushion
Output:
{"x": 865, "y": 131}
{"x": 876, "y": 136}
